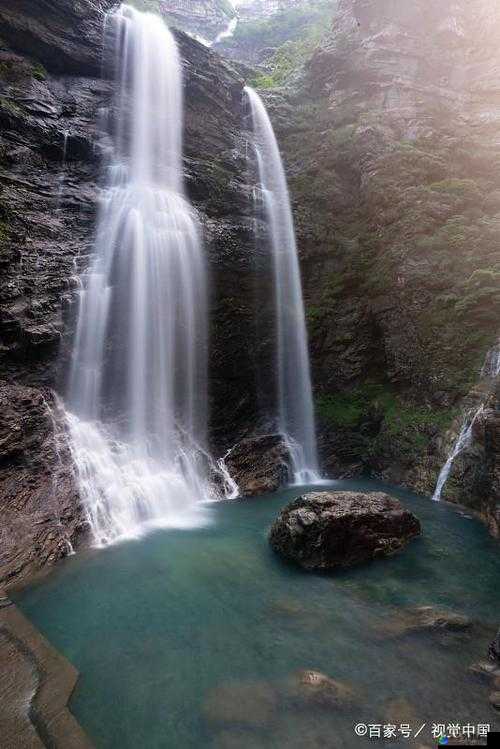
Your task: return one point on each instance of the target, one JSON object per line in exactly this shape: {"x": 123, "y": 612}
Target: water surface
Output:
{"x": 156, "y": 625}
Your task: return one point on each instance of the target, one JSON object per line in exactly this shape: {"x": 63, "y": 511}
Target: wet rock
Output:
{"x": 494, "y": 700}
{"x": 313, "y": 688}
{"x": 494, "y": 649}
{"x": 426, "y": 619}
{"x": 41, "y": 516}
{"x": 485, "y": 671}
{"x": 326, "y": 530}
{"x": 259, "y": 465}
{"x": 247, "y": 704}
{"x": 65, "y": 36}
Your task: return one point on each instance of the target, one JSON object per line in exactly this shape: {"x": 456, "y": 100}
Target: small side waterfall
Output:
{"x": 463, "y": 442}
{"x": 227, "y": 33}
{"x": 489, "y": 371}
{"x": 137, "y": 390}
{"x": 491, "y": 367}
{"x": 295, "y": 402}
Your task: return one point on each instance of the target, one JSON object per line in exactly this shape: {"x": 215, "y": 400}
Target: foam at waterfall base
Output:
{"x": 127, "y": 493}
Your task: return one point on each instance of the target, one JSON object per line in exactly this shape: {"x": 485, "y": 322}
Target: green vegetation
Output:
{"x": 9, "y": 106}
{"x": 295, "y": 32}
{"x": 39, "y": 72}
{"x": 402, "y": 428}
{"x": 349, "y": 408}
{"x": 4, "y": 231}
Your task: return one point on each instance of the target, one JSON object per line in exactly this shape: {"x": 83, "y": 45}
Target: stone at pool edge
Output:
{"x": 259, "y": 465}
{"x": 494, "y": 649}
{"x": 331, "y": 530}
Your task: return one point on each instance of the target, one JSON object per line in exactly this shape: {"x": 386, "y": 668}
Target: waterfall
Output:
{"x": 489, "y": 371}
{"x": 464, "y": 441}
{"x": 491, "y": 367}
{"x": 137, "y": 389}
{"x": 295, "y": 403}
{"x": 228, "y": 32}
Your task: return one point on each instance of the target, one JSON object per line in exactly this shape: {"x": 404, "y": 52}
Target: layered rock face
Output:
{"x": 203, "y": 18}
{"x": 52, "y": 103}
{"x": 391, "y": 143}
{"x": 41, "y": 520}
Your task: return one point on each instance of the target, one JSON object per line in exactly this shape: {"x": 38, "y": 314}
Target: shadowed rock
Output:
{"x": 494, "y": 649}
{"x": 41, "y": 517}
{"x": 259, "y": 464}
{"x": 325, "y": 530}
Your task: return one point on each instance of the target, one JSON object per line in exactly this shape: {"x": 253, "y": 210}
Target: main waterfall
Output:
{"x": 137, "y": 388}
{"x": 295, "y": 402}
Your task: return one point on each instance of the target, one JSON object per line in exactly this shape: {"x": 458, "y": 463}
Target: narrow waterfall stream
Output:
{"x": 295, "y": 402}
{"x": 463, "y": 441}
{"x": 137, "y": 389}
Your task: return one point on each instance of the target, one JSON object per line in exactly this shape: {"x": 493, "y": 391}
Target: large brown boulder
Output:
{"x": 326, "y": 530}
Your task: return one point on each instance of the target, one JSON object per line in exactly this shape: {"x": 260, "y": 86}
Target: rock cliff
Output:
{"x": 390, "y": 134}
{"x": 53, "y": 95}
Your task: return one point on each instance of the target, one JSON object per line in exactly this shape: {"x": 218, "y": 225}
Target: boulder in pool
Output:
{"x": 259, "y": 465}
{"x": 329, "y": 530}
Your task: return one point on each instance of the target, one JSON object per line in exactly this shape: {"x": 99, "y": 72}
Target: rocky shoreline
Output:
{"x": 36, "y": 684}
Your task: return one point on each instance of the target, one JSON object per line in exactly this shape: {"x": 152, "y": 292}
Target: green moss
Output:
{"x": 348, "y": 409}
{"x": 4, "y": 231}
{"x": 458, "y": 187}
{"x": 263, "y": 81}
{"x": 13, "y": 70}
{"x": 39, "y": 72}
{"x": 9, "y": 106}
{"x": 404, "y": 428}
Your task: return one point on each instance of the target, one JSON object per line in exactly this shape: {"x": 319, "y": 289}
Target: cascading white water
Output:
{"x": 464, "y": 441}
{"x": 295, "y": 402}
{"x": 489, "y": 371}
{"x": 137, "y": 389}
{"x": 228, "y": 32}
{"x": 491, "y": 367}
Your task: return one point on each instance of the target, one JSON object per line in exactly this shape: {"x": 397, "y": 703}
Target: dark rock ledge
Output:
{"x": 259, "y": 465}
{"x": 328, "y": 530}
{"x": 36, "y": 683}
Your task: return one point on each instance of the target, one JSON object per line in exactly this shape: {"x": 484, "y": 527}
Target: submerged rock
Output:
{"x": 485, "y": 671}
{"x": 426, "y": 618}
{"x": 259, "y": 465}
{"x": 495, "y": 700}
{"x": 400, "y": 711}
{"x": 248, "y": 704}
{"x": 326, "y": 530}
{"x": 309, "y": 687}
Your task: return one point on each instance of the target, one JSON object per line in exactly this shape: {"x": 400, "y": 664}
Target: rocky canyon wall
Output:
{"x": 53, "y": 98}
{"x": 391, "y": 137}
